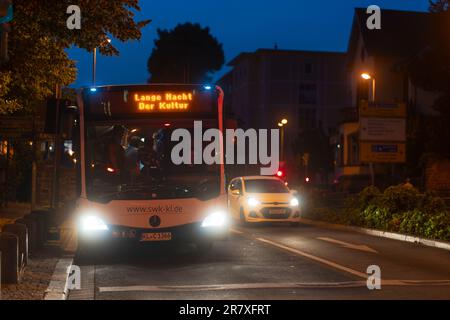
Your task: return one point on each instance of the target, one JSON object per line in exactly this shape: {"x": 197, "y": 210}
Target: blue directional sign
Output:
{"x": 9, "y": 15}
{"x": 390, "y": 148}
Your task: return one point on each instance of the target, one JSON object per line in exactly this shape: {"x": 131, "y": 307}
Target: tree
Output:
{"x": 186, "y": 54}
{"x": 439, "y": 5}
{"x": 430, "y": 70}
{"x": 38, "y": 40}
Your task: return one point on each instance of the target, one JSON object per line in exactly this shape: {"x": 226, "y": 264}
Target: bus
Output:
{"x": 130, "y": 189}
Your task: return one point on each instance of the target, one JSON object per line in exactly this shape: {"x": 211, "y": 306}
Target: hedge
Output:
{"x": 397, "y": 209}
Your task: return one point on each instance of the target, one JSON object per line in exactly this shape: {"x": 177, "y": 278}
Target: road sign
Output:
{"x": 382, "y": 110}
{"x": 383, "y": 152}
{"x": 383, "y": 129}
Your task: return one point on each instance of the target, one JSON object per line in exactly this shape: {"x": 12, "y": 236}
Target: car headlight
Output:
{"x": 294, "y": 202}
{"x": 92, "y": 223}
{"x": 215, "y": 219}
{"x": 252, "y": 202}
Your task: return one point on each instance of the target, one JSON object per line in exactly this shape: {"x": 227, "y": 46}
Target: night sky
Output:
{"x": 240, "y": 25}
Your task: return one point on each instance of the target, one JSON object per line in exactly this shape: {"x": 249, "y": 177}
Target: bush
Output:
{"x": 397, "y": 209}
{"x": 400, "y": 199}
{"x": 431, "y": 204}
{"x": 368, "y": 196}
{"x": 377, "y": 217}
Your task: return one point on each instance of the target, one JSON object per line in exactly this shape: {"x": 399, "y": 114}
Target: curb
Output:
{"x": 382, "y": 234}
{"x": 58, "y": 289}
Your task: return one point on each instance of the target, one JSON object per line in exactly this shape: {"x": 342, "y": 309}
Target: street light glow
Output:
{"x": 284, "y": 121}
{"x": 366, "y": 76}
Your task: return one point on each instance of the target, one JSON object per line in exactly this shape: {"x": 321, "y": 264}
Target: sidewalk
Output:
{"x": 40, "y": 271}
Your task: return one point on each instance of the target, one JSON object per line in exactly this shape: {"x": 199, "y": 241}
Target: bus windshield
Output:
{"x": 126, "y": 161}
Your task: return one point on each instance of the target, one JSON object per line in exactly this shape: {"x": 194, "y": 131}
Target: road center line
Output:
{"x": 234, "y": 286}
{"x": 258, "y": 286}
{"x": 312, "y": 257}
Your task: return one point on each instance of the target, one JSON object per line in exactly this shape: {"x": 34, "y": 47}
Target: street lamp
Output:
{"x": 282, "y": 124}
{"x": 367, "y": 76}
{"x": 94, "y": 63}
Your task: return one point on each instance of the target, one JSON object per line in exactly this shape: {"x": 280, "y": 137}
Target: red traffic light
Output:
{"x": 280, "y": 173}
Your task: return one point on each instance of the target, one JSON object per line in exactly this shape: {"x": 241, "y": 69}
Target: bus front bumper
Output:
{"x": 191, "y": 233}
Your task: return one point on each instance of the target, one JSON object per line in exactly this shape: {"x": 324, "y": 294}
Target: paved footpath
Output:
{"x": 37, "y": 275}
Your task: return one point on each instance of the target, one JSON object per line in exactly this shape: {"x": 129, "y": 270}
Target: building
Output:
{"x": 380, "y": 54}
{"x": 307, "y": 88}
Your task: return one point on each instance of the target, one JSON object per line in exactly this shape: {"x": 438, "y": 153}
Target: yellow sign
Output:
{"x": 382, "y": 152}
{"x": 384, "y": 110}
{"x": 163, "y": 102}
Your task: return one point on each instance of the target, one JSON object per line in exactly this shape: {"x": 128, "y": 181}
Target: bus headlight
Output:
{"x": 294, "y": 202}
{"x": 215, "y": 219}
{"x": 92, "y": 223}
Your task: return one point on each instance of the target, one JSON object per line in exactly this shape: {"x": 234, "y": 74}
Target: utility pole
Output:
{"x": 57, "y": 152}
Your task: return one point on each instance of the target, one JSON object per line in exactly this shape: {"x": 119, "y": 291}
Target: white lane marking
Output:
{"x": 236, "y": 231}
{"x": 290, "y": 285}
{"x": 234, "y": 286}
{"x": 312, "y": 257}
{"x": 348, "y": 245}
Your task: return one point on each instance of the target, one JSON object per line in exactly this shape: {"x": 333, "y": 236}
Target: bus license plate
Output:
{"x": 277, "y": 211}
{"x": 156, "y": 236}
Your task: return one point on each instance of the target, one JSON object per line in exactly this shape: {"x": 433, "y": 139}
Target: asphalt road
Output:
{"x": 271, "y": 262}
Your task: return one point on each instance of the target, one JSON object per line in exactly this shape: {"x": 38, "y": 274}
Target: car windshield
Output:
{"x": 265, "y": 186}
{"x": 133, "y": 162}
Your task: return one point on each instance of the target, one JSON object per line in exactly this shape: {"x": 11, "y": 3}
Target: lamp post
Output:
{"x": 282, "y": 124}
{"x": 367, "y": 76}
{"x": 94, "y": 62}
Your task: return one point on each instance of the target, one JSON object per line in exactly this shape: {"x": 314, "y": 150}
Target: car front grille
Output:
{"x": 267, "y": 214}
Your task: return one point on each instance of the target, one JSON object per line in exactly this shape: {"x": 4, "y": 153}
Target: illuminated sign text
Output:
{"x": 163, "y": 102}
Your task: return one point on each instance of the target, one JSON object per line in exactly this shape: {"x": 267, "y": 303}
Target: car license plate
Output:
{"x": 277, "y": 211}
{"x": 156, "y": 236}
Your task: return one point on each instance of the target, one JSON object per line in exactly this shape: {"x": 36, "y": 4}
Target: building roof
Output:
{"x": 261, "y": 52}
{"x": 402, "y": 33}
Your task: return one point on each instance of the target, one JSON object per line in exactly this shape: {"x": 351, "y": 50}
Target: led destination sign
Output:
{"x": 163, "y": 102}
{"x": 116, "y": 102}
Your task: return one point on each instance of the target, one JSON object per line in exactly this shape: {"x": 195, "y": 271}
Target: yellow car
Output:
{"x": 262, "y": 199}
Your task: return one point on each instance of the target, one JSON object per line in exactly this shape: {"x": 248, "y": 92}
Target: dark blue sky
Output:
{"x": 240, "y": 25}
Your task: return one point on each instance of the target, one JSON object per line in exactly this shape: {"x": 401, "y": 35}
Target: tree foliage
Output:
{"x": 186, "y": 54}
{"x": 430, "y": 70}
{"x": 439, "y": 5}
{"x": 39, "y": 37}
